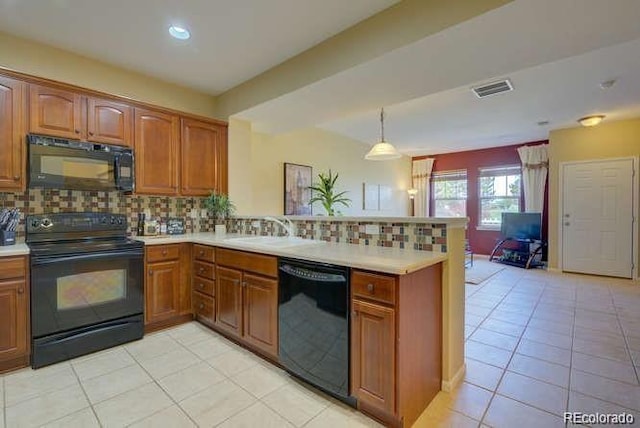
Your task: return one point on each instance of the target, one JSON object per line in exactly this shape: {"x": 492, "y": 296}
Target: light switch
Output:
{"x": 372, "y": 229}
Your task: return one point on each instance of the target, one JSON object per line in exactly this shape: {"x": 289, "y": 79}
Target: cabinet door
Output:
{"x": 261, "y": 312}
{"x": 229, "y": 300}
{"x": 109, "y": 122}
{"x": 373, "y": 354}
{"x": 202, "y": 161}
{"x": 12, "y": 134}
{"x": 56, "y": 112}
{"x": 162, "y": 291}
{"x": 13, "y": 319}
{"x": 156, "y": 146}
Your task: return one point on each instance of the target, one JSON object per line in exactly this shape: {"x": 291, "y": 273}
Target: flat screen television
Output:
{"x": 525, "y": 226}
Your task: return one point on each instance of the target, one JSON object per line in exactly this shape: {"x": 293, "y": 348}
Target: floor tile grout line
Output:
{"x": 155, "y": 381}
{"x": 85, "y": 396}
{"x": 624, "y": 336}
{"x": 486, "y": 410}
{"x": 573, "y": 333}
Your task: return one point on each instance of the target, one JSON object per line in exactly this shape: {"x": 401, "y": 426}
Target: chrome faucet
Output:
{"x": 288, "y": 227}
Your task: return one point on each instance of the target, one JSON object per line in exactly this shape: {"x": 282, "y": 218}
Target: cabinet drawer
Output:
{"x": 205, "y": 286}
{"x": 13, "y": 267}
{"x": 205, "y": 270}
{"x": 158, "y": 253}
{"x": 372, "y": 286}
{"x": 251, "y": 262}
{"x": 204, "y": 253}
{"x": 203, "y": 307}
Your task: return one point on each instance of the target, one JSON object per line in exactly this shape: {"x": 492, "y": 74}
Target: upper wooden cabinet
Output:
{"x": 204, "y": 158}
{"x": 12, "y": 135}
{"x": 67, "y": 114}
{"x": 56, "y": 112}
{"x": 156, "y": 152}
{"x": 109, "y": 122}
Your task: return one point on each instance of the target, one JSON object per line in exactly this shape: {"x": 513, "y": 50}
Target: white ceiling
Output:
{"x": 555, "y": 51}
{"x": 232, "y": 40}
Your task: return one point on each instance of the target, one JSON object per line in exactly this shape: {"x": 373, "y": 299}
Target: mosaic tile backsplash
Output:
{"x": 417, "y": 236}
{"x": 38, "y": 201}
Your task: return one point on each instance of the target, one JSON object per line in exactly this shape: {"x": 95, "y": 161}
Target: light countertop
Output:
{"x": 14, "y": 250}
{"x": 381, "y": 259}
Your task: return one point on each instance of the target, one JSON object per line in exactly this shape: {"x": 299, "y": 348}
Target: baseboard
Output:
{"x": 450, "y": 385}
{"x": 554, "y": 270}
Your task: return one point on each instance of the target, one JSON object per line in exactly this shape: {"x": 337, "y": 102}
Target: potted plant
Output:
{"x": 221, "y": 207}
{"x": 324, "y": 192}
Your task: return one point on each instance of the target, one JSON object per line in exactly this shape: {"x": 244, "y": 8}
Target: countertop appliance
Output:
{"x": 313, "y": 321}
{"x": 86, "y": 284}
{"x": 66, "y": 164}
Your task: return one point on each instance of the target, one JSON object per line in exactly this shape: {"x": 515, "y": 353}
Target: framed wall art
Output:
{"x": 297, "y": 195}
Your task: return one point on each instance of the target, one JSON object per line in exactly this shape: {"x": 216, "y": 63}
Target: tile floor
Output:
{"x": 538, "y": 343}
{"x": 182, "y": 377}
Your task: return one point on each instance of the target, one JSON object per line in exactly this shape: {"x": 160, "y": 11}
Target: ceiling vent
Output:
{"x": 493, "y": 88}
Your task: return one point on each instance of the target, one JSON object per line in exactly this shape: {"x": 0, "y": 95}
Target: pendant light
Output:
{"x": 382, "y": 150}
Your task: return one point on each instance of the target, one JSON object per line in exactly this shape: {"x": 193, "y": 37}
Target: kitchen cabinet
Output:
{"x": 395, "y": 373}
{"x": 204, "y": 158}
{"x": 109, "y": 122}
{"x": 247, "y": 298}
{"x": 56, "y": 112}
{"x": 14, "y": 313}
{"x": 203, "y": 284}
{"x": 167, "y": 289}
{"x": 68, "y": 114}
{"x": 157, "y": 152}
{"x": 12, "y": 134}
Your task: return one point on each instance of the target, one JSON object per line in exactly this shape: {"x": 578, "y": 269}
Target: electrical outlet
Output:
{"x": 372, "y": 229}
{"x": 204, "y": 213}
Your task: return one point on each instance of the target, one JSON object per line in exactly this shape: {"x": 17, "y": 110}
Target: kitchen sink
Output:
{"x": 274, "y": 241}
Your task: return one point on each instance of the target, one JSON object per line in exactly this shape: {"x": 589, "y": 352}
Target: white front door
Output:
{"x": 597, "y": 217}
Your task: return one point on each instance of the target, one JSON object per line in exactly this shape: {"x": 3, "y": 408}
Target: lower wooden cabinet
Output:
{"x": 247, "y": 298}
{"x": 396, "y": 343}
{"x": 204, "y": 284}
{"x": 167, "y": 287}
{"x": 373, "y": 354}
{"x": 14, "y": 313}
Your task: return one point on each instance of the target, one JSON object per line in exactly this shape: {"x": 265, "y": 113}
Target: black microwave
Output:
{"x": 56, "y": 163}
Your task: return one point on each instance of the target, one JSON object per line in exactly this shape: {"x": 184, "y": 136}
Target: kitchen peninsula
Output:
{"x": 407, "y": 306}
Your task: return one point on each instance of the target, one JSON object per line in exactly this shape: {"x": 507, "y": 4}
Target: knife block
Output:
{"x": 7, "y": 237}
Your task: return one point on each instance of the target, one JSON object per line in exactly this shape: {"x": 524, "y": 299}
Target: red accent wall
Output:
{"x": 483, "y": 241}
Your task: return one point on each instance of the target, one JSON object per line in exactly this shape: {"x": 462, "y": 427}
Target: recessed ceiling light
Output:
{"x": 543, "y": 123}
{"x": 607, "y": 83}
{"x": 591, "y": 120}
{"x": 180, "y": 33}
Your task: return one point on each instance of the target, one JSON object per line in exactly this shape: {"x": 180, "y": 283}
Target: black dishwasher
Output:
{"x": 313, "y": 320}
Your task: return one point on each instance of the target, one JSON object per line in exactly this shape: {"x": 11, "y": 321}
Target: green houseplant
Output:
{"x": 325, "y": 193}
{"x": 220, "y": 207}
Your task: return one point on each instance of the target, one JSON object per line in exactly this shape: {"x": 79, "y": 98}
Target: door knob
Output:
{"x": 90, "y": 133}
{"x": 201, "y": 285}
{"x": 77, "y": 131}
{"x": 16, "y": 178}
{"x": 20, "y": 290}
{"x": 201, "y": 253}
{"x": 150, "y": 272}
{"x": 201, "y": 306}
{"x": 164, "y": 252}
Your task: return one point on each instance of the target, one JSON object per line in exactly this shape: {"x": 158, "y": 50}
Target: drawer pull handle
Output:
{"x": 201, "y": 285}
{"x": 91, "y": 133}
{"x": 16, "y": 178}
{"x": 164, "y": 252}
{"x": 201, "y": 306}
{"x": 370, "y": 288}
{"x": 201, "y": 269}
{"x": 201, "y": 253}
{"x": 77, "y": 131}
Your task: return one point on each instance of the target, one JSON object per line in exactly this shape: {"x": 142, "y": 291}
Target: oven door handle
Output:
{"x": 84, "y": 257}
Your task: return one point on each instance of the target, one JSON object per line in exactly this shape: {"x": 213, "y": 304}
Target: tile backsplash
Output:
{"x": 417, "y": 236}
{"x": 38, "y": 201}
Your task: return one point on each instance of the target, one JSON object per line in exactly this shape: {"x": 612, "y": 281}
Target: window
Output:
{"x": 450, "y": 193}
{"x": 499, "y": 192}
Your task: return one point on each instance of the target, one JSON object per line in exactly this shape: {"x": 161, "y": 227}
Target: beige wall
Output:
{"x": 256, "y": 179}
{"x": 607, "y": 140}
{"x": 51, "y": 63}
